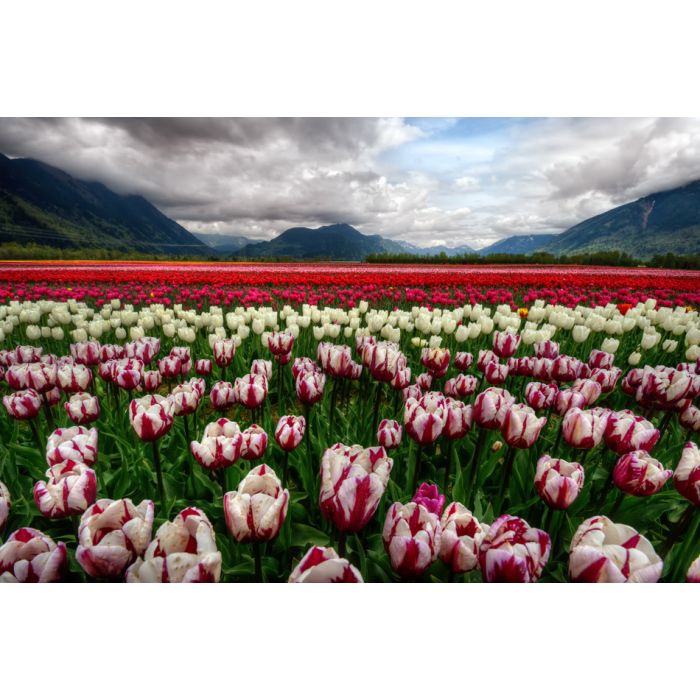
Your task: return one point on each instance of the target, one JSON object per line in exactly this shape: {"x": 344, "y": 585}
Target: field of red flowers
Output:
{"x": 206, "y": 423}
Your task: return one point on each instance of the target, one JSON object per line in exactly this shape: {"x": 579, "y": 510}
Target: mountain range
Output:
{"x": 44, "y": 205}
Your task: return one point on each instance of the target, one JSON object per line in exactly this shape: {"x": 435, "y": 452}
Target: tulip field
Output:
{"x": 348, "y": 423}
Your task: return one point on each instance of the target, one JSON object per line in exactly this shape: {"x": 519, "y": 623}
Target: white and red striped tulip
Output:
{"x": 632, "y": 381}
{"x": 436, "y": 360}
{"x": 280, "y": 343}
{"x": 568, "y": 399}
{"x": 203, "y": 367}
{"x": 144, "y": 349}
{"x": 412, "y": 537}
{"x": 73, "y": 378}
{"x": 589, "y": 388}
{"x": 664, "y": 387}
{"x": 152, "y": 380}
{"x": 87, "y": 352}
{"x": 521, "y": 427}
{"x": 5, "y": 503}
{"x": 222, "y": 396}
{"x": 250, "y": 390}
{"x": 302, "y": 365}
{"x": 127, "y": 374}
{"x": 686, "y": 477}
{"x": 505, "y": 344}
{"x": 542, "y": 368}
{"x": 224, "y": 351}
{"x": 425, "y": 418}
{"x": 310, "y": 386}
{"x": 255, "y": 512}
{"x": 401, "y": 379}
{"x": 183, "y": 551}
{"x": 548, "y": 349}
{"x": 496, "y": 373}
{"x": 323, "y": 565}
{"x": 112, "y": 534}
{"x": 111, "y": 352}
{"x": 541, "y": 396}
{"x": 389, "y": 433}
{"x": 463, "y": 360}
{"x": 689, "y": 418}
{"x": 52, "y": 396}
{"x": 607, "y": 378}
{"x": 461, "y": 386}
{"x": 82, "y": 408}
{"x": 76, "y": 443}
{"x": 513, "y": 552}
{"x": 353, "y": 480}
{"x": 183, "y": 354}
{"x": 70, "y": 488}
{"x": 583, "y": 429}
{"x": 22, "y": 405}
{"x": 598, "y": 359}
{"x": 521, "y": 366}
{"x": 184, "y": 399}
{"x": 565, "y": 368}
{"x": 626, "y": 432}
{"x": 639, "y": 474}
{"x": 151, "y": 416}
{"x": 334, "y": 359}
{"x": 30, "y": 556}
{"x": 604, "y": 552}
{"x": 263, "y": 367}
{"x": 290, "y": 432}
{"x": 25, "y": 354}
{"x": 558, "y": 482}
{"x": 693, "y": 575}
{"x": 384, "y": 360}
{"x": 458, "y": 419}
{"x": 39, "y": 376}
{"x": 424, "y": 381}
{"x": 170, "y": 366}
{"x": 461, "y": 539}
{"x": 485, "y": 356}
{"x": 253, "y": 442}
{"x": 491, "y": 406}
{"x": 221, "y": 445}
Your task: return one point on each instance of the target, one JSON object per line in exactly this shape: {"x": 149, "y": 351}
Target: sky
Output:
{"x": 428, "y": 181}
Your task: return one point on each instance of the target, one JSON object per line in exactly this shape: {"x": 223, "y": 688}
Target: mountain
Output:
{"x": 335, "y": 242}
{"x": 43, "y": 205}
{"x": 664, "y": 222}
{"x": 224, "y": 242}
{"x": 520, "y": 244}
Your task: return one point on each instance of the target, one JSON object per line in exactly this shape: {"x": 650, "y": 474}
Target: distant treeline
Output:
{"x": 612, "y": 258}
{"x": 33, "y": 251}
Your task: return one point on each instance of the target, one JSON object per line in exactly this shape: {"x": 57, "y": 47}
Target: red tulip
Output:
{"x": 411, "y": 537}
{"x": 30, "y": 556}
{"x": 558, "y": 482}
{"x": 461, "y": 539}
{"x": 429, "y": 496}
{"x": 323, "y": 565}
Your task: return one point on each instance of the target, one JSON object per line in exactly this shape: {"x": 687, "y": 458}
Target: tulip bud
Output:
{"x": 686, "y": 477}
{"x": 221, "y": 445}
{"x": 600, "y": 360}
{"x": 280, "y": 343}
{"x": 323, "y": 565}
{"x": 412, "y": 536}
{"x": 183, "y": 551}
{"x": 605, "y": 552}
{"x": 353, "y": 480}
{"x": 263, "y": 367}
{"x": 82, "y": 408}
{"x": 22, "y": 405}
{"x": 77, "y": 443}
{"x": 590, "y": 389}
{"x": 425, "y": 418}
{"x": 256, "y": 511}
{"x": 583, "y": 429}
{"x": 436, "y": 360}
{"x": 541, "y": 396}
{"x": 224, "y": 351}
{"x": 112, "y": 534}
{"x": 290, "y": 432}
{"x": 521, "y": 427}
{"x": 513, "y": 552}
{"x": 461, "y": 386}
{"x": 203, "y": 367}
{"x": 30, "y": 556}
{"x": 70, "y": 489}
{"x": 558, "y": 482}
{"x": 253, "y": 442}
{"x": 389, "y": 433}
{"x": 490, "y": 408}
{"x": 461, "y": 539}
{"x": 5, "y": 504}
{"x": 151, "y": 416}
{"x": 429, "y": 496}
{"x": 309, "y": 387}
{"x": 222, "y": 396}
{"x": 639, "y": 474}
{"x": 547, "y": 349}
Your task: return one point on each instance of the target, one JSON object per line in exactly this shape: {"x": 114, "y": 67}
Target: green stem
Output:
{"x": 481, "y": 438}
{"x": 159, "y": 473}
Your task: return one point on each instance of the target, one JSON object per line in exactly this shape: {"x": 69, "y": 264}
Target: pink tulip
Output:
{"x": 589, "y": 388}
{"x": 495, "y": 373}
{"x": 626, "y": 432}
{"x": 461, "y": 386}
{"x": 263, "y": 367}
{"x": 541, "y": 396}
{"x": 22, "y": 405}
{"x": 224, "y": 351}
{"x": 429, "y": 496}
{"x": 639, "y": 474}
{"x": 513, "y": 552}
{"x": 425, "y": 418}
{"x": 412, "y": 536}
{"x": 112, "y": 534}
{"x": 521, "y": 427}
{"x": 547, "y": 349}
{"x": 86, "y": 353}
{"x": 71, "y": 487}
{"x": 280, "y": 343}
{"x": 353, "y": 480}
{"x": 309, "y": 387}
{"x": 583, "y": 429}
{"x": 250, "y": 390}
{"x": 290, "y": 432}
{"x": 323, "y": 565}
{"x": 76, "y": 443}
{"x": 389, "y": 433}
{"x": 458, "y": 419}
{"x": 600, "y": 360}
{"x": 5, "y": 504}
{"x": 221, "y": 445}
{"x": 558, "y": 482}
{"x": 30, "y": 556}
{"x": 255, "y": 512}
{"x": 463, "y": 360}
{"x": 203, "y": 367}
{"x": 82, "y": 408}
{"x": 490, "y": 408}
{"x": 183, "y": 551}
{"x": 222, "y": 396}
{"x": 151, "y": 416}
{"x": 253, "y": 442}
{"x": 686, "y": 477}
{"x": 461, "y": 539}
{"x": 605, "y": 552}
{"x": 436, "y": 360}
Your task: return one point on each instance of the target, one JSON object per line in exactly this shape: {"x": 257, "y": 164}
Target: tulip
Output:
{"x": 253, "y": 442}
{"x": 323, "y": 565}
{"x": 86, "y": 353}
{"x": 27, "y": 353}
{"x": 221, "y": 445}
{"x": 689, "y": 418}
{"x": 334, "y": 359}
{"x": 152, "y": 380}
{"x": 412, "y": 536}
{"x": 600, "y": 360}
{"x": 412, "y": 391}
{"x": 632, "y": 381}
{"x": 76, "y": 443}
{"x": 203, "y": 367}
{"x": 558, "y": 482}
{"x": 607, "y": 378}
{"x": 589, "y": 388}
{"x": 39, "y": 376}
{"x": 5, "y": 504}
{"x": 495, "y": 373}
{"x": 224, "y": 351}
{"x": 73, "y": 378}
{"x": 280, "y": 343}
{"x": 170, "y": 366}
{"x": 401, "y": 379}
{"x": 663, "y": 387}
{"x": 547, "y": 349}
{"x": 184, "y": 399}
{"x": 693, "y": 575}
{"x": 110, "y": 352}
{"x": 605, "y": 552}
{"x": 302, "y": 365}
{"x": 250, "y": 390}
{"x": 151, "y": 416}
{"x": 429, "y": 496}
{"x": 463, "y": 360}
{"x": 565, "y": 368}
{"x": 22, "y": 405}
{"x": 542, "y": 368}
{"x": 30, "y": 556}
{"x": 424, "y": 381}
{"x": 51, "y": 398}
{"x": 383, "y": 360}
{"x": 461, "y": 539}
{"x": 521, "y": 427}
{"x": 290, "y": 432}
{"x": 112, "y": 534}
{"x": 263, "y": 367}
{"x": 458, "y": 419}
{"x": 436, "y": 360}
{"x": 82, "y": 408}
{"x": 490, "y": 408}
{"x": 256, "y": 511}
{"x": 70, "y": 489}
{"x": 461, "y": 386}
{"x": 568, "y": 399}
{"x": 183, "y": 551}
{"x": 389, "y": 433}
{"x": 127, "y": 374}
{"x": 541, "y": 396}
{"x": 505, "y": 344}
{"x": 486, "y": 356}
{"x": 583, "y": 429}
{"x": 521, "y": 366}
{"x": 639, "y": 474}
{"x": 686, "y": 477}
{"x": 222, "y": 396}
{"x": 353, "y": 480}
{"x": 626, "y": 432}
{"x": 309, "y": 387}
{"x": 425, "y": 418}
{"x": 513, "y": 552}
